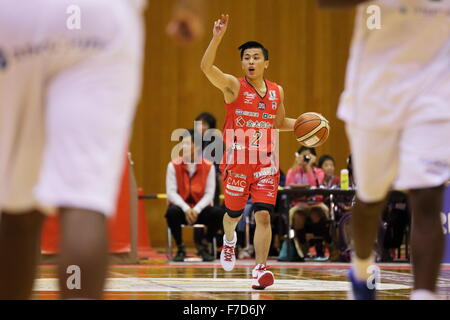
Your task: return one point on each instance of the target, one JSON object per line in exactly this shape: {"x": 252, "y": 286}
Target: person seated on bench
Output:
{"x": 190, "y": 187}
{"x": 305, "y": 173}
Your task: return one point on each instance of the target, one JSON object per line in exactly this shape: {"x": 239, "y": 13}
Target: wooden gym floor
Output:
{"x": 158, "y": 280}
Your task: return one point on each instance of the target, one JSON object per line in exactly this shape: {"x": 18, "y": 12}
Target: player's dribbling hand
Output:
{"x": 221, "y": 25}
{"x": 185, "y": 27}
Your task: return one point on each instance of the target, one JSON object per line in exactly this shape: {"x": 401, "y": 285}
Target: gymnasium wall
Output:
{"x": 308, "y": 55}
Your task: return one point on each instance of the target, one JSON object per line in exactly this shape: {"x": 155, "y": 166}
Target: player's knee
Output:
{"x": 234, "y": 213}
{"x": 262, "y": 213}
{"x": 371, "y": 195}
{"x": 262, "y": 218}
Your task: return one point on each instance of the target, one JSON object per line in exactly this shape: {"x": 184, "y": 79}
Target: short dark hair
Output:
{"x": 208, "y": 118}
{"x": 324, "y": 158}
{"x": 303, "y": 148}
{"x": 254, "y": 45}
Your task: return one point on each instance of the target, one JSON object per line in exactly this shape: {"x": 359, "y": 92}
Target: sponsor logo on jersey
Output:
{"x": 269, "y": 180}
{"x": 237, "y": 175}
{"x": 269, "y": 116}
{"x": 240, "y": 122}
{"x": 233, "y": 194}
{"x": 249, "y": 97}
{"x": 240, "y": 112}
{"x": 237, "y": 146}
{"x": 274, "y": 105}
{"x": 272, "y": 95}
{"x": 259, "y": 124}
{"x": 267, "y": 184}
{"x": 261, "y": 106}
{"x": 265, "y": 172}
{"x": 233, "y": 188}
{"x": 236, "y": 183}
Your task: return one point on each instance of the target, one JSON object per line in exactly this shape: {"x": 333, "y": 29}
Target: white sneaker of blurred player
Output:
{"x": 228, "y": 255}
{"x": 262, "y": 278}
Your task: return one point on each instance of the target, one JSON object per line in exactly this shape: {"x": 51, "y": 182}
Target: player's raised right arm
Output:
{"x": 227, "y": 83}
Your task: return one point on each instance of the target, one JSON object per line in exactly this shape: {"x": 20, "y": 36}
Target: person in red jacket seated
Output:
{"x": 190, "y": 187}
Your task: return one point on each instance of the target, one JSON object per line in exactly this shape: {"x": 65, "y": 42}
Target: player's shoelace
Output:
{"x": 262, "y": 268}
{"x": 228, "y": 252}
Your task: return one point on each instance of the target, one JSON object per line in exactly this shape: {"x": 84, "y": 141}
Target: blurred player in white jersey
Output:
{"x": 70, "y": 78}
{"x": 397, "y": 114}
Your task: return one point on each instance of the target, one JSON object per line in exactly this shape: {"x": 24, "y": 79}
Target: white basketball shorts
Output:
{"x": 413, "y": 157}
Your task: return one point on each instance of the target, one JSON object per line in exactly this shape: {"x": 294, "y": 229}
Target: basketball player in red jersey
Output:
{"x": 254, "y": 109}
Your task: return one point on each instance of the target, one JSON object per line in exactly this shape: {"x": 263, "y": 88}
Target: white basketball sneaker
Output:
{"x": 228, "y": 255}
{"x": 262, "y": 278}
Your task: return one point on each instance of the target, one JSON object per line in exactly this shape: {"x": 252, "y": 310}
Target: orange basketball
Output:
{"x": 311, "y": 129}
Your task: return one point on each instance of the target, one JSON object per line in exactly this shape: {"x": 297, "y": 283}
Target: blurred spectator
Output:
{"x": 209, "y": 133}
{"x": 327, "y": 164}
{"x": 190, "y": 191}
{"x": 304, "y": 173}
{"x": 317, "y": 232}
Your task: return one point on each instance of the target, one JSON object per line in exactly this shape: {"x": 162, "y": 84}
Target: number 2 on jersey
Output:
{"x": 256, "y": 137}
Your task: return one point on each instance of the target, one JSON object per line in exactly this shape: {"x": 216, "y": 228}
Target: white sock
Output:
{"x": 422, "y": 294}
{"x": 361, "y": 266}
{"x": 230, "y": 243}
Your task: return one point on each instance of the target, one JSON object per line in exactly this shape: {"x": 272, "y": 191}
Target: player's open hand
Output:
{"x": 185, "y": 27}
{"x": 221, "y": 25}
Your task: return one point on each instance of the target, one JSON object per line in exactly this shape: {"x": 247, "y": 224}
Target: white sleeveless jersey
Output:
{"x": 52, "y": 65}
{"x": 399, "y": 73}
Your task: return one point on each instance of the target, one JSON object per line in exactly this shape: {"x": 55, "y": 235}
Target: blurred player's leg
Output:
{"x": 425, "y": 167}
{"x": 84, "y": 244}
{"x": 365, "y": 221}
{"x": 19, "y": 250}
{"x": 375, "y": 167}
{"x": 427, "y": 240}
{"x": 89, "y": 114}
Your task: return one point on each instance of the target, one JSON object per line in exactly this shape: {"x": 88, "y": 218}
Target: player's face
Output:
{"x": 253, "y": 63}
{"x": 328, "y": 167}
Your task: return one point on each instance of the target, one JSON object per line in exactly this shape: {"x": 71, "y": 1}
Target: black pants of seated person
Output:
{"x": 211, "y": 217}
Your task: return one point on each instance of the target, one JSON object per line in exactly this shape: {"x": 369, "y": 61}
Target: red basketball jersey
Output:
{"x": 253, "y": 116}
